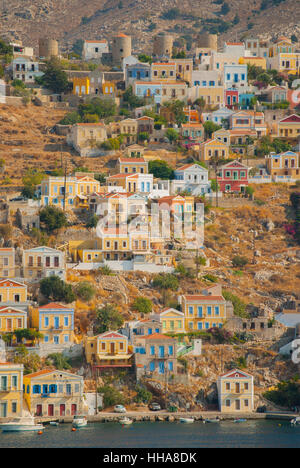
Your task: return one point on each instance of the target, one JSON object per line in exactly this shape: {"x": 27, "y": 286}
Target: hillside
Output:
{"x": 69, "y": 20}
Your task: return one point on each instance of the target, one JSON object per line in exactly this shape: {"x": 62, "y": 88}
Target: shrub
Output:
{"x": 111, "y": 396}
{"x": 143, "y": 305}
{"x": 56, "y": 289}
{"x": 211, "y": 278}
{"x": 52, "y": 218}
{"x": 239, "y": 307}
{"x": 92, "y": 222}
{"x": 286, "y": 394}
{"x": 85, "y": 291}
{"x": 239, "y": 261}
{"x": 108, "y": 318}
{"x": 106, "y": 271}
{"x": 143, "y": 395}
{"x": 161, "y": 169}
{"x": 59, "y": 361}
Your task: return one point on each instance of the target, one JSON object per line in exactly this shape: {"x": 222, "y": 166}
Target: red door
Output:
{"x": 62, "y": 410}
{"x": 39, "y": 410}
{"x": 73, "y": 409}
{"x": 50, "y": 410}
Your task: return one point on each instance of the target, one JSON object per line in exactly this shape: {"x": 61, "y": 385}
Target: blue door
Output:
{"x": 56, "y": 322}
{"x": 161, "y": 368}
{"x": 161, "y": 351}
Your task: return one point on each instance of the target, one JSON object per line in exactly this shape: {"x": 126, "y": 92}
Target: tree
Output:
{"x": 111, "y": 396}
{"x": 215, "y": 185}
{"x": 78, "y": 47}
{"x": 55, "y": 78}
{"x": 210, "y": 127}
{"x": 108, "y": 318}
{"x": 172, "y": 135}
{"x": 85, "y": 290}
{"x": 143, "y": 305}
{"x": 31, "y": 180}
{"x": 70, "y": 118}
{"x": 145, "y": 58}
{"x": 143, "y": 136}
{"x": 165, "y": 281}
{"x": 55, "y": 289}
{"x": 161, "y": 169}
{"x": 93, "y": 221}
{"x": 59, "y": 361}
{"x": 52, "y": 218}
{"x": 225, "y": 9}
{"x": 239, "y": 307}
{"x": 176, "y": 107}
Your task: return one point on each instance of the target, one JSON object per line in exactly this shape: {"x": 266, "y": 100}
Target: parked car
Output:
{"x": 18, "y": 199}
{"x": 119, "y": 409}
{"x": 154, "y": 406}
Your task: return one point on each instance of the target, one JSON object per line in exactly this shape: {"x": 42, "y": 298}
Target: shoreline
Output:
{"x": 169, "y": 417}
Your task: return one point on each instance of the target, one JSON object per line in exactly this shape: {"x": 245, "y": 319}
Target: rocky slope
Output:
{"x": 70, "y": 20}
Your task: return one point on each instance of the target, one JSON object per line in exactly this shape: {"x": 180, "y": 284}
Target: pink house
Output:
{"x": 233, "y": 177}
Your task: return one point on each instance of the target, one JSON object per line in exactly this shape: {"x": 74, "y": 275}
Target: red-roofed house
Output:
{"x": 289, "y": 127}
{"x": 233, "y": 177}
{"x": 206, "y": 310}
{"x": 235, "y": 392}
{"x": 155, "y": 355}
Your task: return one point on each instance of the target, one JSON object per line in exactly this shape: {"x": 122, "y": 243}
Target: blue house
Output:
{"x": 137, "y": 72}
{"x": 245, "y": 100}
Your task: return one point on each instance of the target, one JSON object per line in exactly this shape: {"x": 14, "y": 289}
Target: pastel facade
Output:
{"x": 213, "y": 96}
{"x": 204, "y": 311}
{"x": 131, "y": 183}
{"x": 256, "y": 61}
{"x": 233, "y": 177}
{"x": 132, "y": 165}
{"x": 61, "y": 192}
{"x": 86, "y": 135}
{"x": 137, "y": 72}
{"x": 110, "y": 349}
{"x": 249, "y": 120}
{"x": 55, "y": 322}
{"x": 25, "y": 69}
{"x": 41, "y": 262}
{"x": 163, "y": 71}
{"x": 13, "y": 293}
{"x": 172, "y": 320}
{"x": 184, "y": 68}
{"x": 235, "y": 75}
{"x": 11, "y": 319}
{"x": 192, "y": 178}
{"x": 213, "y": 149}
{"x": 11, "y": 390}
{"x": 236, "y": 392}
{"x": 81, "y": 85}
{"x": 284, "y": 164}
{"x": 220, "y": 116}
{"x": 54, "y": 393}
{"x": 93, "y": 50}
{"x": 289, "y": 127}
{"x": 155, "y": 355}
{"x": 7, "y": 262}
{"x": 192, "y": 133}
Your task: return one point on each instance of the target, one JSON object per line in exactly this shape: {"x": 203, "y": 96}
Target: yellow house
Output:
{"x": 108, "y": 350}
{"x": 132, "y": 165}
{"x": 235, "y": 392}
{"x": 7, "y": 262}
{"x": 184, "y": 68}
{"x": 81, "y": 85}
{"x": 172, "y": 320}
{"x": 11, "y": 390}
{"x": 289, "y": 127}
{"x": 12, "y": 319}
{"x": 12, "y": 292}
{"x": 55, "y": 321}
{"x": 86, "y": 135}
{"x": 205, "y": 310}
{"x": 62, "y": 192}
{"x": 41, "y": 262}
{"x": 213, "y": 149}
{"x": 256, "y": 61}
{"x": 285, "y": 165}
{"x": 108, "y": 88}
{"x": 213, "y": 95}
{"x": 54, "y": 393}
{"x": 163, "y": 71}
{"x": 283, "y": 56}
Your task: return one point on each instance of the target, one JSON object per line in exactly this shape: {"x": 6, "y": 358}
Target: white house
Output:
{"x": 235, "y": 76}
{"x": 94, "y": 49}
{"x": 192, "y": 178}
{"x": 25, "y": 69}
{"x": 218, "y": 116}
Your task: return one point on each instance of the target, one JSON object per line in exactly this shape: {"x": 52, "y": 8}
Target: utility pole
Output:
{"x": 65, "y": 185}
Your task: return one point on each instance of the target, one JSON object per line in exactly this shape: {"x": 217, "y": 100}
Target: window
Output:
{"x": 209, "y": 309}
{"x": 227, "y": 386}
{"x": 46, "y": 321}
{"x": 227, "y": 403}
{"x": 217, "y": 310}
{"x": 14, "y": 407}
{"x": 191, "y": 310}
{"x": 15, "y": 381}
{"x": 66, "y": 321}
{"x": 152, "y": 350}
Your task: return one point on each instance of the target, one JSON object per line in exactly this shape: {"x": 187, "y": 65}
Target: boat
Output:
{"x": 240, "y": 420}
{"x": 187, "y": 420}
{"x": 211, "y": 420}
{"x": 295, "y": 421}
{"x": 54, "y": 423}
{"x": 79, "y": 421}
{"x": 126, "y": 421}
{"x": 21, "y": 425}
